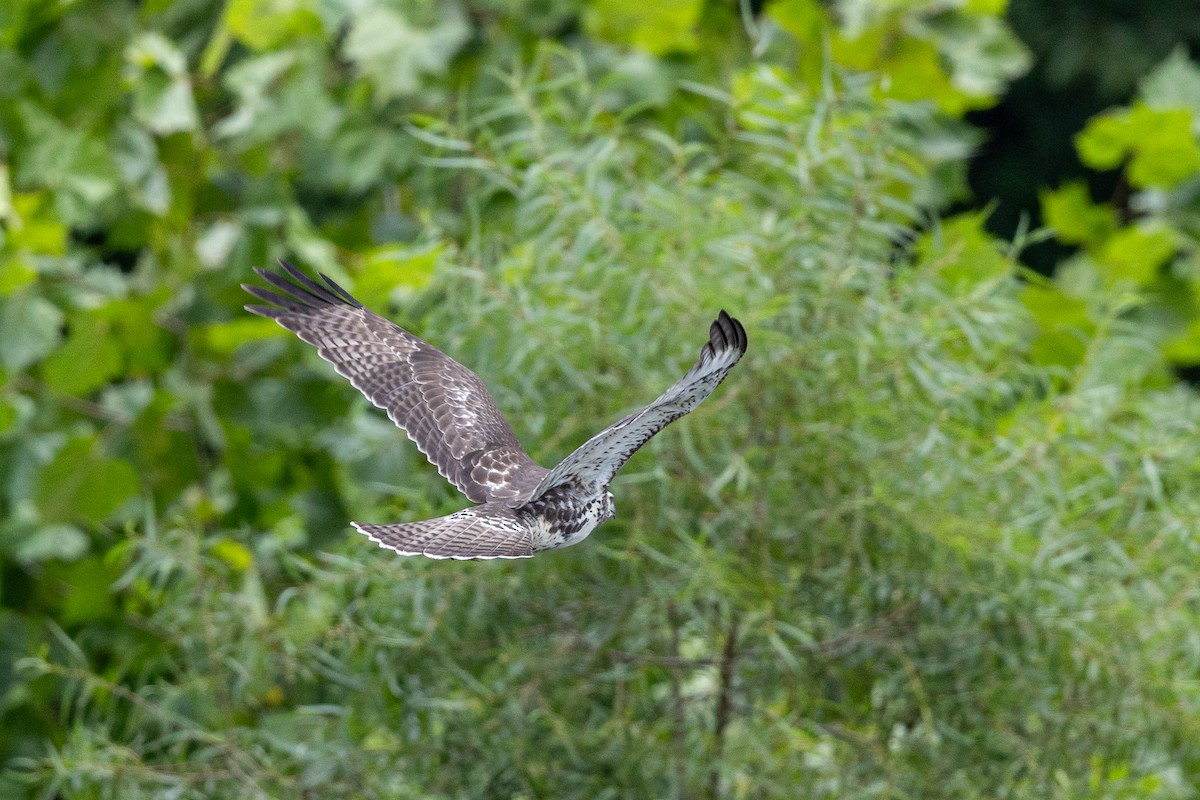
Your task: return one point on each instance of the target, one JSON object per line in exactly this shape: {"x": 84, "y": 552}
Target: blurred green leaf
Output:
{"x": 234, "y": 554}
{"x": 89, "y": 358}
{"x": 1137, "y": 253}
{"x": 912, "y": 67}
{"x": 81, "y": 486}
{"x": 1166, "y": 152}
{"x": 32, "y": 327}
{"x": 963, "y": 251}
{"x": 1161, "y": 145}
{"x": 216, "y": 242}
{"x": 981, "y": 50}
{"x": 35, "y": 227}
{"x": 1174, "y": 84}
{"x": 15, "y": 273}
{"x": 8, "y": 416}
{"x": 1069, "y": 210}
{"x": 162, "y": 91}
{"x": 50, "y": 542}
{"x": 268, "y": 24}
{"x": 254, "y": 81}
{"x": 1064, "y": 325}
{"x": 89, "y": 596}
{"x": 659, "y": 28}
{"x": 392, "y": 268}
{"x": 72, "y": 161}
{"x": 1105, "y": 141}
{"x": 145, "y": 345}
{"x": 1184, "y": 347}
{"x": 223, "y": 338}
{"x": 394, "y": 52}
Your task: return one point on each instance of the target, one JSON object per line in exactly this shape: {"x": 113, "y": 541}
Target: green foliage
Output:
{"x": 659, "y": 28}
{"x": 1159, "y": 145}
{"x": 931, "y": 539}
{"x": 958, "y": 55}
{"x": 1151, "y": 246}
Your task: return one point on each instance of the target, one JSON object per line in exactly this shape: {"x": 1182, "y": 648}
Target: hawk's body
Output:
{"x": 447, "y": 411}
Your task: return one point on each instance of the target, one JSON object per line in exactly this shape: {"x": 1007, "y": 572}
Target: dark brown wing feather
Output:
{"x": 597, "y": 460}
{"x": 442, "y": 406}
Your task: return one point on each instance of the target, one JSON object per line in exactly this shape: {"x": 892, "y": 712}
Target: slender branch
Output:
{"x": 80, "y": 405}
{"x": 724, "y": 704}
{"x": 677, "y": 702}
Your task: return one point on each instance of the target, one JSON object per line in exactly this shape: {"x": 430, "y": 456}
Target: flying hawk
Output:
{"x": 522, "y": 508}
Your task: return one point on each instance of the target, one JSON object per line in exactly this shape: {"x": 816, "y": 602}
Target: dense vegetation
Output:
{"x": 936, "y": 536}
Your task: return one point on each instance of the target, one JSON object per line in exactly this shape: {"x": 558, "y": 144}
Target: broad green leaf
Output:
{"x": 35, "y": 226}
{"x": 268, "y": 24}
{"x": 216, "y": 242}
{"x": 89, "y": 358}
{"x": 81, "y": 486}
{"x": 136, "y": 156}
{"x": 53, "y": 542}
{"x": 217, "y": 47}
{"x": 1136, "y": 253}
{"x": 145, "y": 347}
{"x": 89, "y": 591}
{"x": 1064, "y": 325}
{"x": 1105, "y": 140}
{"x": 806, "y": 20}
{"x": 1175, "y": 83}
{"x": 250, "y": 466}
{"x": 166, "y": 455}
{"x": 31, "y": 328}
{"x": 72, "y": 160}
{"x": 1165, "y": 152}
{"x": 983, "y": 53}
{"x": 394, "y": 267}
{"x": 15, "y": 273}
{"x": 1184, "y": 347}
{"x": 162, "y": 91}
{"x": 222, "y": 338}
{"x": 1051, "y": 307}
{"x": 233, "y": 553}
{"x": 310, "y": 247}
{"x": 963, "y": 252}
{"x": 910, "y": 69}
{"x": 1069, "y": 210}
{"x": 255, "y": 82}
{"x": 1160, "y": 143}
{"x": 659, "y": 28}
{"x": 9, "y": 414}
{"x": 394, "y": 53}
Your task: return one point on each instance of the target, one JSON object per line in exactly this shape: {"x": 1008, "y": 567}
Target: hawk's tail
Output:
{"x": 490, "y": 530}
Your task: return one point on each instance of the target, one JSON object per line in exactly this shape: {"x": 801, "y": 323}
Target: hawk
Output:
{"x": 521, "y": 508}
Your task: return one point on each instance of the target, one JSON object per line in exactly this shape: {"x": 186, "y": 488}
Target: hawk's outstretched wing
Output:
{"x": 491, "y": 530}
{"x": 442, "y": 406}
{"x": 595, "y": 463}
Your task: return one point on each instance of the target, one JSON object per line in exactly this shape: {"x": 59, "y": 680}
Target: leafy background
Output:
{"x": 935, "y": 538}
